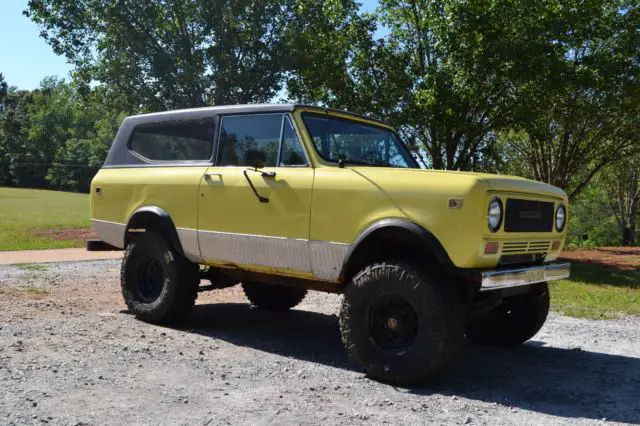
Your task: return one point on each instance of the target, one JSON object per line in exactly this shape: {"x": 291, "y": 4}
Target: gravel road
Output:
{"x": 70, "y": 354}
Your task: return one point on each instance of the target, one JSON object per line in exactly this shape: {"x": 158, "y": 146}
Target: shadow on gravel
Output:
{"x": 560, "y": 382}
{"x": 556, "y": 381}
{"x": 304, "y": 335}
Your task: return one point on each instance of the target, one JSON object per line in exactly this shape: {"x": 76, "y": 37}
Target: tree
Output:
{"x": 583, "y": 113}
{"x": 172, "y": 54}
{"x": 622, "y": 184}
{"x": 95, "y": 122}
{"x": 447, "y": 74}
{"x": 56, "y": 136}
{"x": 453, "y": 75}
{"x": 14, "y": 149}
{"x": 4, "y": 89}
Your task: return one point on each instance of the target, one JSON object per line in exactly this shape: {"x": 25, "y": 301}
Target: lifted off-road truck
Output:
{"x": 289, "y": 198}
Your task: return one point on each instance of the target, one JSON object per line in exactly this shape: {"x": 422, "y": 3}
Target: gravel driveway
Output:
{"x": 70, "y": 354}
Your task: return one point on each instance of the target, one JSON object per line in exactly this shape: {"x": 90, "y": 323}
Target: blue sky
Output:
{"x": 25, "y": 58}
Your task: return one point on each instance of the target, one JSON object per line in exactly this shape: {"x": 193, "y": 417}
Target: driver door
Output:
{"x": 257, "y": 219}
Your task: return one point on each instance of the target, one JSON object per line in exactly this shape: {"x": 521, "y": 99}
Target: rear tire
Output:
{"x": 273, "y": 297}
{"x": 400, "y": 324}
{"x": 158, "y": 284}
{"x": 513, "y": 322}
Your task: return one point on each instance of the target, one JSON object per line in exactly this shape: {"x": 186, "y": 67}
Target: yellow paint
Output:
{"x": 123, "y": 191}
{"x": 323, "y": 202}
{"x": 227, "y": 203}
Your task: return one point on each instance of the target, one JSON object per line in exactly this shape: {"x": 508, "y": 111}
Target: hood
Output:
{"x": 505, "y": 183}
{"x": 498, "y": 183}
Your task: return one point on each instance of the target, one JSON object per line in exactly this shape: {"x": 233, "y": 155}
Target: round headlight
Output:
{"x": 561, "y": 218}
{"x": 494, "y": 217}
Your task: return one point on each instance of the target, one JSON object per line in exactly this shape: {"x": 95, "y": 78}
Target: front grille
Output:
{"x": 525, "y": 247}
{"x": 528, "y": 216}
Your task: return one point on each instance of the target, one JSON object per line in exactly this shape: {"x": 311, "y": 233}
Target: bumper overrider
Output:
{"x": 506, "y": 278}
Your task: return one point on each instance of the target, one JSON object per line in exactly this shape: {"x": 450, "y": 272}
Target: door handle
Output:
{"x": 208, "y": 176}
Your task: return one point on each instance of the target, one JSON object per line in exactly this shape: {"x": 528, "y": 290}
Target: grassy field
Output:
{"x": 26, "y": 215}
{"x": 597, "y": 292}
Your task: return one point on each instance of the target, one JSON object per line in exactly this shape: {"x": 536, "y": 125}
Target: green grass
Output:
{"x": 594, "y": 292}
{"x": 26, "y": 213}
{"x": 32, "y": 267}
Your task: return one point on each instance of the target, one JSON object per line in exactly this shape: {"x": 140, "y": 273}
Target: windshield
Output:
{"x": 351, "y": 142}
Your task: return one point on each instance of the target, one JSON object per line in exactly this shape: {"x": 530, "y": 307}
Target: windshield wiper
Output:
{"x": 343, "y": 159}
{"x": 383, "y": 163}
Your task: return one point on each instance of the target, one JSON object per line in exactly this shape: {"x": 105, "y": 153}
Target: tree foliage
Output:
{"x": 14, "y": 148}
{"x": 4, "y": 89}
{"x": 622, "y": 185}
{"x": 591, "y": 223}
{"x": 451, "y": 74}
{"x": 447, "y": 74}
{"x": 584, "y": 114}
{"x": 172, "y": 54}
{"x": 56, "y": 136}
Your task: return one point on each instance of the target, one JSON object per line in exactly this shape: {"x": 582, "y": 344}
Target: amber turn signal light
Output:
{"x": 556, "y": 245}
{"x": 491, "y": 247}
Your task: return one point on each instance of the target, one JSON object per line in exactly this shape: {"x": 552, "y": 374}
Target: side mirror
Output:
{"x": 256, "y": 159}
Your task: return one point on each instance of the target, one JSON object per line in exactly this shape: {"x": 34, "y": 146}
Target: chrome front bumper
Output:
{"x": 505, "y": 278}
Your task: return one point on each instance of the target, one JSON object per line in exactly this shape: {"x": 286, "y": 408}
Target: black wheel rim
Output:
{"x": 393, "y": 324}
{"x": 150, "y": 279}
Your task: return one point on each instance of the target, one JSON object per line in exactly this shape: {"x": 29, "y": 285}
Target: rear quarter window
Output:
{"x": 184, "y": 140}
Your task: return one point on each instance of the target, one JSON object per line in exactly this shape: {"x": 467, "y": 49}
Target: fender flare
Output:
{"x": 425, "y": 236}
{"x": 162, "y": 224}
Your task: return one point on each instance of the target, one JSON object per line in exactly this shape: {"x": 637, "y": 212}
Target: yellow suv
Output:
{"x": 289, "y": 198}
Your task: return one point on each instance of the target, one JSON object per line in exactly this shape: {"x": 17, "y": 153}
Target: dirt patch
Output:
{"x": 81, "y": 287}
{"x": 616, "y": 258}
{"x": 78, "y": 234}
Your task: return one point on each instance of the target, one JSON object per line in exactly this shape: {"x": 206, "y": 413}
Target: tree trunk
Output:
{"x": 628, "y": 231}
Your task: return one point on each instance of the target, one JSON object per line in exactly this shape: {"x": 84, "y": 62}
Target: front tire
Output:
{"x": 158, "y": 284}
{"x": 513, "y": 322}
{"x": 273, "y": 297}
{"x": 400, "y": 324}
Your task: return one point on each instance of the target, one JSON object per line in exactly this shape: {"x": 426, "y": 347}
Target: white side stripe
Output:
{"x": 324, "y": 259}
{"x": 245, "y": 249}
{"x": 110, "y": 232}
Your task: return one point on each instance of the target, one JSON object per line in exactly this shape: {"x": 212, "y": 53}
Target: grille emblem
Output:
{"x": 530, "y": 214}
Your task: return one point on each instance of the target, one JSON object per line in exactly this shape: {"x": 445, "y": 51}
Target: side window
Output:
{"x": 184, "y": 140}
{"x": 244, "y": 136}
{"x": 292, "y": 153}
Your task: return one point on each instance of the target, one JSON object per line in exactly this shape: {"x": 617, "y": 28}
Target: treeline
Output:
{"x": 56, "y": 136}
{"x": 547, "y": 89}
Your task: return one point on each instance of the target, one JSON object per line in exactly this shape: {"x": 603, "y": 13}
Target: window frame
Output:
{"x": 215, "y": 122}
{"x": 285, "y": 117}
{"x": 413, "y": 162}
{"x": 289, "y": 119}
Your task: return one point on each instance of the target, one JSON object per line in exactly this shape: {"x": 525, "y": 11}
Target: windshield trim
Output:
{"x": 405, "y": 152}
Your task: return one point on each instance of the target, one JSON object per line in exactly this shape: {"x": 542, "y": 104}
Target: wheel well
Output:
{"x": 153, "y": 221}
{"x": 389, "y": 243}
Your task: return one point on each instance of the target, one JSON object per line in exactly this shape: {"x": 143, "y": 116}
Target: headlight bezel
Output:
{"x": 500, "y": 206}
{"x": 561, "y": 207}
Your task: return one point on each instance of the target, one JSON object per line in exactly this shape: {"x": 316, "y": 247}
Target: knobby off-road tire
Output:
{"x": 513, "y": 322}
{"x": 158, "y": 284}
{"x": 273, "y": 297}
{"x": 400, "y": 324}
